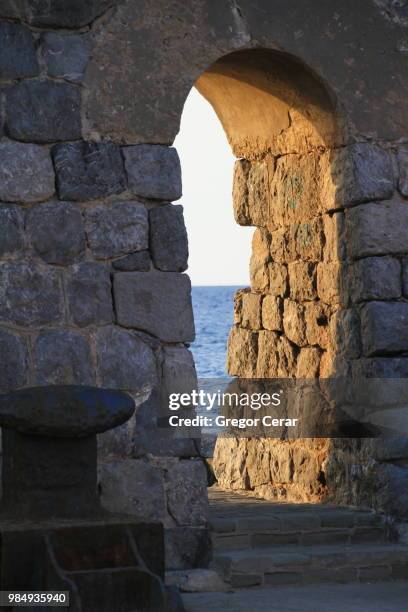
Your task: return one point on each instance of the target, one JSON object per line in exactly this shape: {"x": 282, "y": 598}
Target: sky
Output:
{"x": 219, "y": 248}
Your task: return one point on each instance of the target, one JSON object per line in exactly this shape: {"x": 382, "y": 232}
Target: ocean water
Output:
{"x": 213, "y": 312}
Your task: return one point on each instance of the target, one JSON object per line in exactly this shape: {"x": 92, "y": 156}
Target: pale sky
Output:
{"x": 219, "y": 248}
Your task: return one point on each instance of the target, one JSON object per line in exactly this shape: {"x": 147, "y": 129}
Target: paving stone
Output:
{"x": 56, "y": 232}
{"x": 384, "y": 327}
{"x": 26, "y": 173}
{"x": 11, "y": 229}
{"x": 76, "y": 14}
{"x": 89, "y": 294}
{"x": 153, "y": 171}
{"x": 13, "y": 361}
{"x": 43, "y": 111}
{"x": 134, "y": 262}
{"x": 62, "y": 357}
{"x": 116, "y": 229}
{"x": 376, "y": 278}
{"x": 18, "y": 57}
{"x": 29, "y": 294}
{"x": 403, "y": 171}
{"x": 168, "y": 238}
{"x": 66, "y": 56}
{"x": 156, "y": 302}
{"x": 88, "y": 170}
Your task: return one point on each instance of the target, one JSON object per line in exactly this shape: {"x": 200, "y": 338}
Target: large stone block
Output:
{"x": 272, "y": 309}
{"x": 382, "y": 367}
{"x": 308, "y": 363}
{"x": 294, "y": 323}
{"x": 345, "y": 333}
{"x": 377, "y": 228}
{"x": 309, "y": 240}
{"x": 376, "y": 278}
{"x": 317, "y": 315}
{"x": 54, "y": 13}
{"x": 26, "y": 173}
{"x": 168, "y": 238}
{"x": 56, "y": 232}
{"x": 124, "y": 360}
{"x": 187, "y": 498}
{"x": 11, "y": 228}
{"x": 134, "y": 262}
{"x": 268, "y": 356}
{"x": 116, "y": 229}
{"x": 251, "y": 311}
{"x": 43, "y": 111}
{"x": 89, "y": 294}
{"x": 242, "y": 352}
{"x": 287, "y": 354}
{"x": 330, "y": 286}
{"x": 156, "y": 302}
{"x": 179, "y": 372}
{"x": 66, "y": 56}
{"x": 403, "y": 171}
{"x": 153, "y": 171}
{"x": 334, "y": 241}
{"x": 63, "y": 357}
{"x": 29, "y": 294}
{"x": 18, "y": 58}
{"x": 278, "y": 279}
{"x": 88, "y": 170}
{"x": 258, "y": 267}
{"x": 251, "y": 192}
{"x": 384, "y": 327}
{"x": 302, "y": 280}
{"x": 13, "y": 361}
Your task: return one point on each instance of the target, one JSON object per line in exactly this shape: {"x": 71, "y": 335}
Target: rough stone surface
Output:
{"x": 405, "y": 277}
{"x": 60, "y": 15}
{"x": 258, "y": 268}
{"x": 26, "y": 173}
{"x": 156, "y": 302}
{"x": 116, "y": 229}
{"x": 268, "y": 357}
{"x": 17, "y": 52}
{"x": 251, "y": 311}
{"x": 124, "y": 360}
{"x": 168, "y": 238}
{"x": 187, "y": 547}
{"x": 278, "y": 279}
{"x": 242, "y": 352}
{"x": 62, "y": 357}
{"x": 308, "y": 363}
{"x": 89, "y": 294}
{"x": 13, "y": 361}
{"x": 56, "y": 232}
{"x": 65, "y": 56}
{"x": 153, "y": 171}
{"x": 293, "y": 322}
{"x": 403, "y": 171}
{"x": 196, "y": 581}
{"x": 272, "y": 308}
{"x": 330, "y": 287}
{"x": 87, "y": 170}
{"x": 187, "y": 493}
{"x": 376, "y": 278}
{"x": 302, "y": 280}
{"x": 43, "y": 111}
{"x": 251, "y": 192}
{"x": 29, "y": 294}
{"x": 135, "y": 262}
{"x": 345, "y": 333}
{"x": 11, "y": 229}
{"x": 333, "y": 228}
{"x": 384, "y": 327}
{"x": 317, "y": 319}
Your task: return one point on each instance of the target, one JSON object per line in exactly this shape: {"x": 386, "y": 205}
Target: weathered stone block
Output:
{"x": 330, "y": 287}
{"x": 287, "y": 358}
{"x": 29, "y": 294}
{"x": 279, "y": 245}
{"x": 18, "y": 58}
{"x": 272, "y": 308}
{"x": 403, "y": 171}
{"x": 377, "y": 228}
{"x": 124, "y": 361}
{"x": 251, "y": 311}
{"x": 56, "y": 232}
{"x": 334, "y": 245}
{"x": 238, "y": 300}
{"x": 43, "y": 111}
{"x": 302, "y": 280}
{"x": 308, "y": 363}
{"x": 187, "y": 498}
{"x": 268, "y": 357}
{"x": 13, "y": 361}
{"x": 251, "y": 192}
{"x": 306, "y": 467}
{"x": 89, "y": 294}
{"x": 153, "y": 171}
{"x": 384, "y": 327}
{"x": 26, "y": 173}
{"x": 317, "y": 321}
{"x": 345, "y": 333}
{"x": 63, "y": 357}
{"x": 278, "y": 279}
{"x": 11, "y": 229}
{"x": 88, "y": 170}
{"x": 118, "y": 228}
{"x": 66, "y": 57}
{"x": 187, "y": 547}
{"x": 258, "y": 268}
{"x": 156, "y": 302}
{"x": 168, "y": 238}
{"x": 382, "y": 367}
{"x": 55, "y": 13}
{"x": 294, "y": 323}
{"x": 376, "y": 278}
{"x": 135, "y": 262}
{"x": 309, "y": 240}
{"x": 405, "y": 277}
{"x": 242, "y": 352}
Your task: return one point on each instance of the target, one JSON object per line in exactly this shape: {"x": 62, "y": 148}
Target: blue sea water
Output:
{"x": 213, "y": 312}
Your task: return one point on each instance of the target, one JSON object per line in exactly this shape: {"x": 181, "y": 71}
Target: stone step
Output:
{"x": 301, "y": 565}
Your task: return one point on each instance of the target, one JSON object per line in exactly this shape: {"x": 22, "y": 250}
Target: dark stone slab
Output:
{"x": 135, "y": 262}
{"x": 65, "y": 411}
{"x": 89, "y": 294}
{"x": 65, "y": 56}
{"x": 86, "y": 170}
{"x": 26, "y": 173}
{"x": 17, "y": 52}
{"x": 11, "y": 228}
{"x": 384, "y": 327}
{"x": 43, "y": 111}
{"x": 62, "y": 14}
{"x": 13, "y": 361}
{"x": 168, "y": 238}
{"x": 153, "y": 171}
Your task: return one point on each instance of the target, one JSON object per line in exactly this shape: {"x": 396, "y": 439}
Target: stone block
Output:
{"x": 268, "y": 356}
{"x": 240, "y": 192}
{"x": 382, "y": 367}
{"x": 187, "y": 547}
{"x": 238, "y": 300}
{"x": 258, "y": 268}
{"x": 65, "y": 56}
{"x": 377, "y": 228}
{"x": 18, "y": 57}
{"x": 56, "y": 232}
{"x": 156, "y": 302}
{"x": 334, "y": 241}
{"x": 272, "y": 309}
{"x": 88, "y": 170}
{"x": 153, "y": 171}
{"x": 43, "y": 111}
{"x": 403, "y": 171}
{"x": 29, "y": 294}
{"x": 89, "y": 294}
{"x": 124, "y": 361}
{"x": 302, "y": 280}
{"x": 309, "y": 240}
{"x": 317, "y": 316}
{"x": 278, "y": 279}
{"x": 168, "y": 238}
{"x": 242, "y": 352}
{"x": 391, "y": 486}
{"x": 405, "y": 277}
{"x": 198, "y": 581}
{"x": 117, "y": 228}
{"x": 384, "y": 327}
{"x": 63, "y": 357}
{"x": 308, "y": 363}
{"x": 187, "y": 498}
{"x": 279, "y": 245}
{"x": 11, "y": 229}
{"x": 13, "y": 361}
{"x": 251, "y": 192}
{"x": 134, "y": 262}
{"x": 179, "y": 372}
{"x": 305, "y": 467}
{"x": 345, "y": 333}
{"x": 26, "y": 173}
{"x": 287, "y": 353}
{"x": 54, "y": 14}
{"x": 375, "y": 278}
{"x": 251, "y": 311}
{"x": 330, "y": 287}
{"x": 294, "y": 322}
